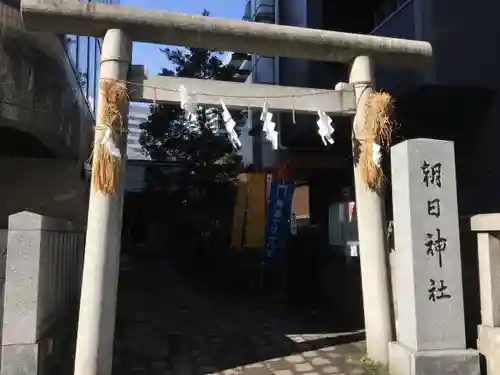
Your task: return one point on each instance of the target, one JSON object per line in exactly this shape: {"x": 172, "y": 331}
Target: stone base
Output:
{"x": 488, "y": 343}
{"x": 20, "y": 359}
{"x": 406, "y": 361}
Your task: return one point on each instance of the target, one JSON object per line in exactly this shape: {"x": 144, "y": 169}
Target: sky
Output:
{"x": 149, "y": 54}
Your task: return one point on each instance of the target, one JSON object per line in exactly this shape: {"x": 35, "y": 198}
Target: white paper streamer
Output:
{"x": 269, "y": 126}
{"x": 325, "y": 128}
{"x": 341, "y": 86}
{"x": 108, "y": 142}
{"x": 230, "y": 124}
{"x": 376, "y": 154}
{"x": 189, "y": 104}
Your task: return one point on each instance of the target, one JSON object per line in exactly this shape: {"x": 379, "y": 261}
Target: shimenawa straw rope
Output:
{"x": 106, "y": 163}
{"x": 377, "y": 129}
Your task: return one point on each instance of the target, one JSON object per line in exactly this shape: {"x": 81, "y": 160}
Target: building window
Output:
{"x": 386, "y": 8}
{"x": 71, "y": 44}
{"x": 92, "y": 73}
{"x": 82, "y": 64}
{"x": 97, "y": 71}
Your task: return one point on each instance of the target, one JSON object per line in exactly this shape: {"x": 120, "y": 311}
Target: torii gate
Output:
{"x": 120, "y": 26}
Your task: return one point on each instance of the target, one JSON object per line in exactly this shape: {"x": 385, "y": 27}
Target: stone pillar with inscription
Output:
{"x": 427, "y": 267}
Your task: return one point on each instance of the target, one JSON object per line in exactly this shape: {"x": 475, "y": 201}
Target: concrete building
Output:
{"x": 453, "y": 98}
{"x": 446, "y": 100}
{"x": 138, "y": 114}
{"x": 48, "y": 86}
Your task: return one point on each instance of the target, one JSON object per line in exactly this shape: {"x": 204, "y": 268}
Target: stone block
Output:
{"x": 426, "y": 262}
{"x": 488, "y": 343}
{"x": 21, "y": 297}
{"x": 406, "y": 361}
{"x": 20, "y": 359}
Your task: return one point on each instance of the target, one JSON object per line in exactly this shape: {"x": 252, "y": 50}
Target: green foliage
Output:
{"x": 202, "y": 147}
{"x": 200, "y": 152}
{"x": 373, "y": 368}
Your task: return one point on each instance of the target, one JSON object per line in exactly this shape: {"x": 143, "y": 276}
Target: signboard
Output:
{"x": 278, "y": 216}
{"x": 255, "y": 229}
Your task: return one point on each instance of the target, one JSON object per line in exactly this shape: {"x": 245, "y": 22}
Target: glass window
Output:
{"x": 97, "y": 70}
{"x": 83, "y": 65}
{"x": 71, "y": 47}
{"x": 92, "y": 73}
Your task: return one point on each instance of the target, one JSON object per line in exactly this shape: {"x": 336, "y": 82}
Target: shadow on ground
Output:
{"x": 165, "y": 325}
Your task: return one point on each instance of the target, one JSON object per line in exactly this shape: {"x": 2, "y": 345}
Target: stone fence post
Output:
{"x": 42, "y": 285}
{"x": 487, "y": 227}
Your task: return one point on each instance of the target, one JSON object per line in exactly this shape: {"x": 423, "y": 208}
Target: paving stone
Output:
{"x": 319, "y": 361}
{"x": 180, "y": 331}
{"x": 310, "y": 354}
{"x": 335, "y": 356}
{"x": 256, "y": 365}
{"x": 280, "y": 364}
{"x": 231, "y": 372}
{"x": 255, "y": 371}
{"x": 330, "y": 370}
{"x": 295, "y": 359}
{"x": 303, "y": 367}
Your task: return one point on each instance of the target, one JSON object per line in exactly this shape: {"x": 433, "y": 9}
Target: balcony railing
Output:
{"x": 399, "y": 23}
{"x": 247, "y": 14}
{"x": 263, "y": 70}
{"x": 264, "y": 11}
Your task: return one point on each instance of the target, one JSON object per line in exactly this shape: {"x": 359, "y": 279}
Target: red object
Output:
{"x": 281, "y": 171}
{"x": 352, "y": 210}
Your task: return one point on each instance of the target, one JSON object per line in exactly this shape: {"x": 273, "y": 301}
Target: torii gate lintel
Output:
{"x": 161, "y": 27}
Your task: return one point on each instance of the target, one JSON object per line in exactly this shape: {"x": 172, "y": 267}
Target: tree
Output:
{"x": 205, "y": 159}
{"x": 202, "y": 146}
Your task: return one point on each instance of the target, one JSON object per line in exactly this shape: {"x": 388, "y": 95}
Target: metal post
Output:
{"x": 96, "y": 324}
{"x": 371, "y": 228}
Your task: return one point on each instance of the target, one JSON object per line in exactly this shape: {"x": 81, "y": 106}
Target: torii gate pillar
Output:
{"x": 96, "y": 323}
{"x": 370, "y": 210}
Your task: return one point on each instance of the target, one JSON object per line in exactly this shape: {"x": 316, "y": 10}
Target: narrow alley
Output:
{"x": 167, "y": 325}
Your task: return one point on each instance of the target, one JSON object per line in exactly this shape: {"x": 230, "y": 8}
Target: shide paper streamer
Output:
{"x": 230, "y": 124}
{"x": 268, "y": 126}
{"x": 325, "y": 128}
{"x": 189, "y": 104}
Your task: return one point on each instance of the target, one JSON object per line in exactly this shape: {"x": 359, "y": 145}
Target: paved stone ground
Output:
{"x": 166, "y": 326}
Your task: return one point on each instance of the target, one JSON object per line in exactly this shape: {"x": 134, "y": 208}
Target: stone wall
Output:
{"x": 51, "y": 187}
{"x": 42, "y": 285}
{"x": 39, "y": 91}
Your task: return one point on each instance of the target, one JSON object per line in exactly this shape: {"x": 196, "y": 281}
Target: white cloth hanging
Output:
{"x": 376, "y": 154}
{"x": 268, "y": 126}
{"x": 230, "y": 124}
{"x": 189, "y": 104}
{"x": 325, "y": 128}
{"x": 109, "y": 143}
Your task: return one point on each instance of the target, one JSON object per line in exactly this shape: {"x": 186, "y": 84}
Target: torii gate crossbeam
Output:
{"x": 144, "y": 25}
{"x": 148, "y": 89}
{"x": 121, "y": 25}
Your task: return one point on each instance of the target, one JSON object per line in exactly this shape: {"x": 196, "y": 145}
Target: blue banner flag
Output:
{"x": 278, "y": 216}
